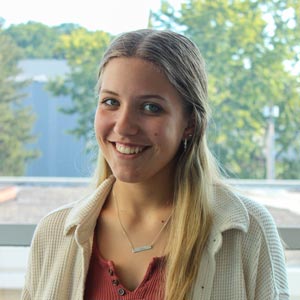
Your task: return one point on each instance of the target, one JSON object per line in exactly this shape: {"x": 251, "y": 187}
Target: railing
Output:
{"x": 64, "y": 181}
{"x": 16, "y": 235}
{"x": 20, "y": 235}
{"x": 267, "y": 183}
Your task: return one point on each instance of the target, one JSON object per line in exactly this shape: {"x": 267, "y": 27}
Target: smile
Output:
{"x": 125, "y": 149}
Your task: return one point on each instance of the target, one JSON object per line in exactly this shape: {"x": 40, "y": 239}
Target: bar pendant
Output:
{"x": 142, "y": 248}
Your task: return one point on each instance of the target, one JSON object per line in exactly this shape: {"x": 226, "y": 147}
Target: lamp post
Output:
{"x": 271, "y": 112}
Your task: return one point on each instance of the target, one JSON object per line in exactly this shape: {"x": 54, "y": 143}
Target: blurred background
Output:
{"x": 49, "y": 55}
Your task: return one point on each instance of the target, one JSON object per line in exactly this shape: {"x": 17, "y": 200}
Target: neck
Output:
{"x": 140, "y": 198}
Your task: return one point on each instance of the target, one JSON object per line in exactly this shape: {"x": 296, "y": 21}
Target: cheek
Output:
{"x": 167, "y": 130}
{"x": 100, "y": 125}
{"x": 96, "y": 124}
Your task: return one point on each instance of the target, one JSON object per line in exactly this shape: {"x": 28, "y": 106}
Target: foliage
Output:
{"x": 247, "y": 46}
{"x": 15, "y": 119}
{"x": 83, "y": 51}
{"x": 250, "y": 47}
{"x": 38, "y": 40}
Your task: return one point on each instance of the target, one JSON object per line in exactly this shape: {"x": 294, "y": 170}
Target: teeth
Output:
{"x": 128, "y": 150}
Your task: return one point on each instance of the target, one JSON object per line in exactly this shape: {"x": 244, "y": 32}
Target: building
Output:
{"x": 61, "y": 154}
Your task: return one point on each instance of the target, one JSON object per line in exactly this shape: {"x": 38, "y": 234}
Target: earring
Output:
{"x": 184, "y": 145}
{"x": 185, "y": 141}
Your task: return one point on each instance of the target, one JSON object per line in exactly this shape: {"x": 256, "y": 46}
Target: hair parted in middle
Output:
{"x": 196, "y": 170}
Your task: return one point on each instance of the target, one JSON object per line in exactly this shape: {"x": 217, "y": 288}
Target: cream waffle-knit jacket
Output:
{"x": 243, "y": 258}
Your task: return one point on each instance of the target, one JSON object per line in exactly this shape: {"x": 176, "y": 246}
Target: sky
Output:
{"x": 113, "y": 16}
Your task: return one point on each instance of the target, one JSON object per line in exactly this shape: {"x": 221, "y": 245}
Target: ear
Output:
{"x": 190, "y": 128}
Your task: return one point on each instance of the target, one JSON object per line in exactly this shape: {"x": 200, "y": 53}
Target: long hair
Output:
{"x": 180, "y": 59}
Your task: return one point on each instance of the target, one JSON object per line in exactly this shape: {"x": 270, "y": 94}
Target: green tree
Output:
{"x": 38, "y": 40}
{"x": 15, "y": 119}
{"x": 247, "y": 46}
{"x": 83, "y": 51}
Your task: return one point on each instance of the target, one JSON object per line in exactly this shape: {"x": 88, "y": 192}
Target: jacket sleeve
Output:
{"x": 31, "y": 270}
{"x": 35, "y": 262}
{"x": 25, "y": 294}
{"x": 264, "y": 253}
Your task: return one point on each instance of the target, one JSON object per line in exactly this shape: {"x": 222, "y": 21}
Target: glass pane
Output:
{"x": 49, "y": 60}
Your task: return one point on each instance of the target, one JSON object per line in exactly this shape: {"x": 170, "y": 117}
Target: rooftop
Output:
{"x": 42, "y": 69}
{"x": 29, "y": 203}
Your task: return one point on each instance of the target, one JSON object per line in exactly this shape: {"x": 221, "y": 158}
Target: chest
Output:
{"x": 104, "y": 282}
{"x": 114, "y": 245}
{"x": 130, "y": 267}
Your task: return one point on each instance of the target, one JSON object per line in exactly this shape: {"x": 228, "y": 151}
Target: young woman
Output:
{"x": 160, "y": 224}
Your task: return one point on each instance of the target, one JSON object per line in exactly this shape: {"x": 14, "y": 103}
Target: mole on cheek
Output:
{"x": 155, "y": 134}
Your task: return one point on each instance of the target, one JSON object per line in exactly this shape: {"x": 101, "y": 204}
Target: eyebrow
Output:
{"x": 145, "y": 97}
{"x": 108, "y": 92}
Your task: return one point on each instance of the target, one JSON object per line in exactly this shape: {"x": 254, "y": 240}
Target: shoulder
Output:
{"x": 262, "y": 228}
{"x": 252, "y": 229}
{"x": 51, "y": 226}
{"x": 258, "y": 213}
{"x": 82, "y": 213}
{"x": 238, "y": 211}
{"x": 234, "y": 210}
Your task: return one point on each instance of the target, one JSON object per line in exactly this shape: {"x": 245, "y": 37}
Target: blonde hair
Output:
{"x": 196, "y": 170}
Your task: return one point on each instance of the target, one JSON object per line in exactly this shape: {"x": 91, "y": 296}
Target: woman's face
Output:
{"x": 140, "y": 120}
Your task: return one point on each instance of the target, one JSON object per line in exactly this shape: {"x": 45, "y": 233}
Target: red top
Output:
{"x": 102, "y": 282}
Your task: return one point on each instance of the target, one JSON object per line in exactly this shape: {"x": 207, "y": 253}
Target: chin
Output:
{"x": 127, "y": 177}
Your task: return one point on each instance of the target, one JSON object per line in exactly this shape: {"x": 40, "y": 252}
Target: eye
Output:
{"x": 110, "y": 102}
{"x": 152, "y": 108}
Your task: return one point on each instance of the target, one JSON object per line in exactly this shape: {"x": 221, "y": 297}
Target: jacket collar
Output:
{"x": 84, "y": 214}
{"x": 229, "y": 212}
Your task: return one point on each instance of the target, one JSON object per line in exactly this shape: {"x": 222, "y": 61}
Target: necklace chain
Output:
{"x": 140, "y": 248}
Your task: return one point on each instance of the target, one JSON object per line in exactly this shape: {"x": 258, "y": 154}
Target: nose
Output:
{"x": 126, "y": 123}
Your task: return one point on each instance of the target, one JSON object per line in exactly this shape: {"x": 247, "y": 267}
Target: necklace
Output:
{"x": 140, "y": 248}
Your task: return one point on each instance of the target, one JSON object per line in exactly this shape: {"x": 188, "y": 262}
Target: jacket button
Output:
{"x": 115, "y": 282}
{"x": 121, "y": 292}
{"x": 111, "y": 272}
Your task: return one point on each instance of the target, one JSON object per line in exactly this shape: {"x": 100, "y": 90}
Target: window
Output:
{"x": 48, "y": 65}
